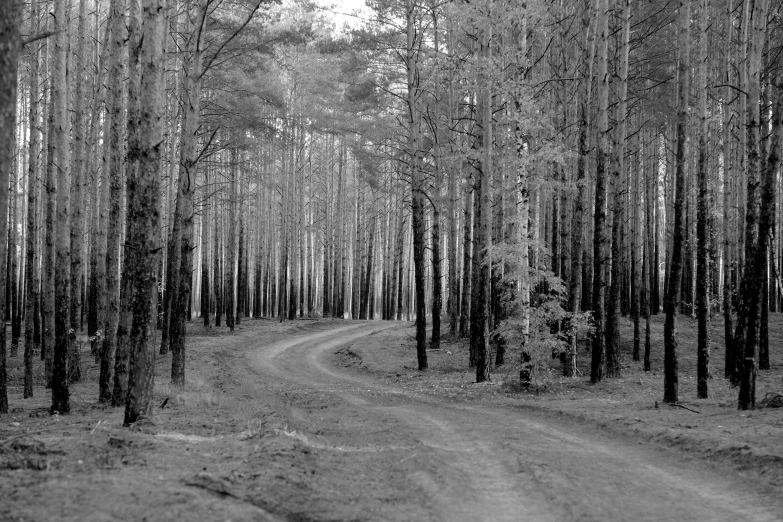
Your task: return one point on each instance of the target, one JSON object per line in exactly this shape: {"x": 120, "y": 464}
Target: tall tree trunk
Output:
{"x": 31, "y": 277}
{"x": 744, "y": 198}
{"x": 702, "y": 282}
{"x": 144, "y": 218}
{"x": 186, "y": 185}
{"x": 48, "y": 262}
{"x": 650, "y": 247}
{"x": 77, "y": 186}
{"x": 728, "y": 182}
{"x": 122, "y": 353}
{"x": 115, "y": 163}
{"x": 467, "y": 261}
{"x": 674, "y": 280}
{"x": 231, "y": 244}
{"x": 10, "y": 48}
{"x": 216, "y": 265}
{"x": 97, "y": 248}
{"x": 618, "y": 175}
{"x": 756, "y": 256}
{"x": 205, "y": 207}
{"x": 417, "y": 186}
{"x": 62, "y": 281}
{"x": 483, "y": 245}
{"x": 599, "y": 239}
{"x": 369, "y": 269}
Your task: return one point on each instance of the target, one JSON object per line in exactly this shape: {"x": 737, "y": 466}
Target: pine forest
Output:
{"x": 215, "y": 203}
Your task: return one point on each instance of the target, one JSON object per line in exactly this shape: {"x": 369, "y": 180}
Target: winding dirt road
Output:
{"x": 469, "y": 461}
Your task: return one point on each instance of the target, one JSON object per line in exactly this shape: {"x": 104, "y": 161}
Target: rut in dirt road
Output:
{"x": 483, "y": 462}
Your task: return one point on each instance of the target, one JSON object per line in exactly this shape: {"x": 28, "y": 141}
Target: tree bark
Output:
{"x": 599, "y": 240}
{"x": 205, "y": 207}
{"x": 754, "y": 275}
{"x": 10, "y": 48}
{"x": 728, "y": 183}
{"x": 185, "y": 187}
{"x": 674, "y": 282}
{"x": 702, "y": 281}
{"x": 31, "y": 276}
{"x": 62, "y": 281}
{"x": 144, "y": 218}
{"x": 613, "y": 304}
{"x": 117, "y": 123}
{"x": 77, "y": 190}
{"x": 417, "y": 186}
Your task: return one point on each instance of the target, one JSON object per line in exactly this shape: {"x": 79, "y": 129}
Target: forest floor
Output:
{"x": 330, "y": 420}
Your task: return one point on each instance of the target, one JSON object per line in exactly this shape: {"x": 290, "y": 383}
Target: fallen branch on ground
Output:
{"x": 683, "y": 407}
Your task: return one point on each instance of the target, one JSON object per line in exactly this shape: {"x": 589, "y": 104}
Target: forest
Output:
{"x": 547, "y": 187}
{"x": 532, "y": 181}
{"x": 522, "y": 175}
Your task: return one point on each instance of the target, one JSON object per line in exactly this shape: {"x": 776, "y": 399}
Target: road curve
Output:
{"x": 477, "y": 462}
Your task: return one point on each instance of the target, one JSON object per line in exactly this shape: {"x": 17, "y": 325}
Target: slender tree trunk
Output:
{"x": 650, "y": 248}
{"x": 747, "y": 236}
{"x": 184, "y": 206}
{"x": 231, "y": 244}
{"x": 144, "y": 218}
{"x": 613, "y": 304}
{"x": 97, "y": 247}
{"x": 204, "y": 222}
{"x": 10, "y": 49}
{"x": 417, "y": 187}
{"x": 599, "y": 239}
{"x": 122, "y": 353}
{"x": 48, "y": 262}
{"x": 216, "y": 266}
{"x": 756, "y": 256}
{"x": 674, "y": 279}
{"x": 77, "y": 202}
{"x": 702, "y": 281}
{"x": 114, "y": 104}
{"x": 467, "y": 262}
{"x": 31, "y": 277}
{"x": 62, "y": 281}
{"x": 483, "y": 250}
{"x": 728, "y": 183}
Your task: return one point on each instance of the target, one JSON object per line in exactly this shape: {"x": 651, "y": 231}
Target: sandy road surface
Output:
{"x": 469, "y": 461}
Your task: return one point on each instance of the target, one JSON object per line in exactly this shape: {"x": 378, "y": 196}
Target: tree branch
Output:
{"x": 216, "y": 53}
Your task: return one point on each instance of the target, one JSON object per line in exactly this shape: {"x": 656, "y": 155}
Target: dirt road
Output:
{"x": 449, "y": 460}
{"x": 283, "y": 421}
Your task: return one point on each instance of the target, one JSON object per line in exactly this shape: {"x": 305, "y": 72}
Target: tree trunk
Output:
{"x": 728, "y": 178}
{"x": 417, "y": 187}
{"x": 216, "y": 265}
{"x": 231, "y": 244}
{"x": 31, "y": 276}
{"x": 186, "y": 185}
{"x": 62, "y": 281}
{"x": 467, "y": 262}
{"x": 753, "y": 275}
{"x": 122, "y": 352}
{"x": 144, "y": 218}
{"x": 599, "y": 239}
{"x": 650, "y": 247}
{"x": 10, "y": 48}
{"x": 204, "y": 223}
{"x": 48, "y": 262}
{"x": 702, "y": 281}
{"x": 483, "y": 245}
{"x": 674, "y": 279}
{"x": 114, "y": 104}
{"x": 77, "y": 217}
{"x": 618, "y": 175}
